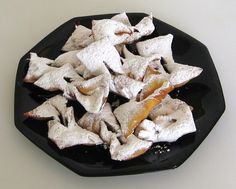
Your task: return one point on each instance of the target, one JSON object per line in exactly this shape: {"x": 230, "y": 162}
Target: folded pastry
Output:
{"x": 132, "y": 148}
{"x": 125, "y": 86}
{"x": 91, "y": 121}
{"x": 122, "y": 17}
{"x": 177, "y": 74}
{"x": 98, "y": 55}
{"x": 181, "y": 74}
{"x": 37, "y": 67}
{"x": 67, "y": 58}
{"x": 98, "y": 62}
{"x": 130, "y": 114}
{"x": 50, "y": 109}
{"x": 115, "y": 32}
{"x": 136, "y": 66}
{"x": 171, "y": 120}
{"x": 80, "y": 38}
{"x": 91, "y": 94}
{"x": 57, "y": 79}
{"x": 144, "y": 28}
{"x": 72, "y": 134}
{"x": 159, "y": 45}
{"x": 153, "y": 83}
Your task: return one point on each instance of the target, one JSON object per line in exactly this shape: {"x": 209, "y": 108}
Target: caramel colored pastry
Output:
{"x": 171, "y": 120}
{"x": 37, "y": 67}
{"x": 80, "y": 38}
{"x": 153, "y": 83}
{"x": 130, "y": 114}
{"x": 72, "y": 134}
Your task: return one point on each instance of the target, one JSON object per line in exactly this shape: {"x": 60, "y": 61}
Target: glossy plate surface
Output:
{"x": 203, "y": 93}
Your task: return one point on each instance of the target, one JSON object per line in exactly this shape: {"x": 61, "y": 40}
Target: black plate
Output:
{"x": 203, "y": 93}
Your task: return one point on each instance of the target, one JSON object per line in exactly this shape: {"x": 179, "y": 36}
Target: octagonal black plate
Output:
{"x": 203, "y": 93}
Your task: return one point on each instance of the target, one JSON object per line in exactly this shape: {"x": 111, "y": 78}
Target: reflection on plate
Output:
{"x": 203, "y": 93}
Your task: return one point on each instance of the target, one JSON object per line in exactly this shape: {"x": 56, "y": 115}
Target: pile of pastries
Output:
{"x": 96, "y": 62}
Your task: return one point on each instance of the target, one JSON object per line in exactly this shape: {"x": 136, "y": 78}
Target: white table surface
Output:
{"x": 24, "y": 23}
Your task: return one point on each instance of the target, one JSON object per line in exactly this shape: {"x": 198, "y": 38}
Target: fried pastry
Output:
{"x": 37, "y": 67}
{"x": 130, "y": 114}
{"x": 91, "y": 121}
{"x": 133, "y": 147}
{"x": 122, "y": 17}
{"x": 171, "y": 120}
{"x": 80, "y": 38}
{"x": 91, "y": 94}
{"x": 159, "y": 45}
{"x": 67, "y": 58}
{"x": 125, "y": 86}
{"x": 72, "y": 134}
{"x": 180, "y": 74}
{"x": 98, "y": 55}
{"x": 136, "y": 66}
{"x": 50, "y": 109}
{"x": 57, "y": 79}
{"x": 115, "y": 32}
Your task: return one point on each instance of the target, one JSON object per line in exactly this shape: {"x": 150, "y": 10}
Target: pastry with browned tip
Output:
{"x": 37, "y": 67}
{"x": 130, "y": 114}
{"x": 50, "y": 109}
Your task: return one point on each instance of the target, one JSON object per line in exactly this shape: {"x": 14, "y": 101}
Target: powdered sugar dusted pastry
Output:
{"x": 125, "y": 86}
{"x": 159, "y": 45}
{"x": 135, "y": 67}
{"x": 37, "y": 67}
{"x": 71, "y": 134}
{"x": 122, "y": 17}
{"x": 144, "y": 28}
{"x": 91, "y": 94}
{"x": 56, "y": 79}
{"x": 130, "y": 114}
{"x": 67, "y": 58}
{"x": 96, "y": 56}
{"x": 152, "y": 83}
{"x": 115, "y": 32}
{"x": 79, "y": 39}
{"x": 133, "y": 147}
{"x": 171, "y": 120}
{"x": 92, "y": 121}
{"x": 181, "y": 74}
{"x": 50, "y": 109}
